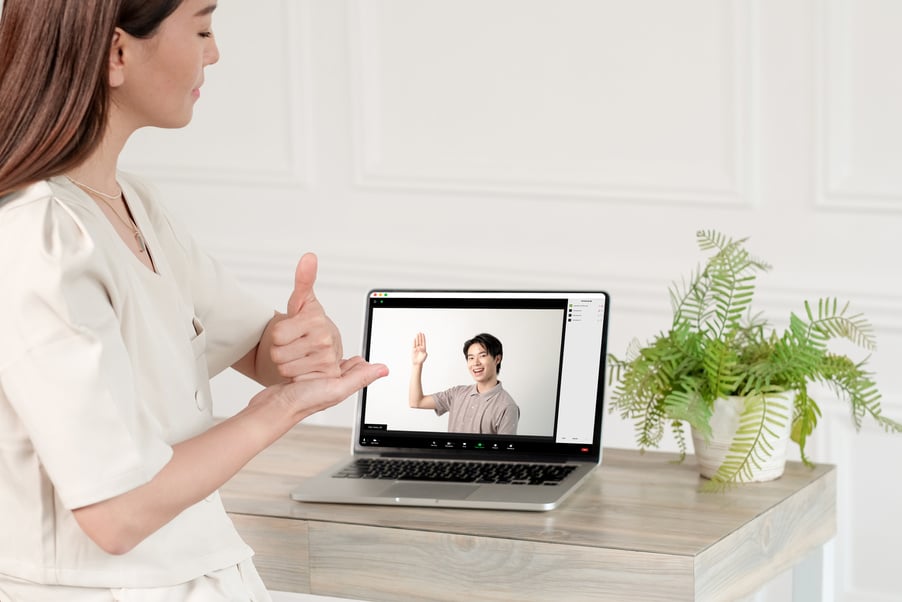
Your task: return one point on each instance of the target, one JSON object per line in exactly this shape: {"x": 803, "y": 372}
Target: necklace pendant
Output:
{"x": 142, "y": 247}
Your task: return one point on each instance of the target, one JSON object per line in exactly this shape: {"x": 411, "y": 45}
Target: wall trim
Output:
{"x": 299, "y": 120}
{"x": 744, "y": 92}
{"x": 831, "y": 52}
{"x": 630, "y": 294}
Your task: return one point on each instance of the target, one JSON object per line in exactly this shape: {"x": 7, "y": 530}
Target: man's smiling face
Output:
{"x": 483, "y": 367}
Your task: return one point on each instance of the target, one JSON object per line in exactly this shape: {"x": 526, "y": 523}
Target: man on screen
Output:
{"x": 483, "y": 407}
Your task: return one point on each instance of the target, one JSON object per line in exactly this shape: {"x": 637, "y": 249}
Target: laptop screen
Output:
{"x": 492, "y": 373}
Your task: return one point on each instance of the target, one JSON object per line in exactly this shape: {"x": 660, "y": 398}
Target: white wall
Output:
{"x": 569, "y": 143}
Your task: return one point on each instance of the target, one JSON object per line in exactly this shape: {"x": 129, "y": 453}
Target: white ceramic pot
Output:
{"x": 724, "y": 423}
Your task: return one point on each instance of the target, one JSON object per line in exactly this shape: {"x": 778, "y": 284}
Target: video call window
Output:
{"x": 530, "y": 368}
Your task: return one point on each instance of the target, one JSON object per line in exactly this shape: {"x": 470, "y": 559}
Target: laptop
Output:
{"x": 509, "y": 421}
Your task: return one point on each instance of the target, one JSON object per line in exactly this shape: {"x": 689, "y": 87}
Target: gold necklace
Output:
{"x": 112, "y": 197}
{"x": 129, "y": 223}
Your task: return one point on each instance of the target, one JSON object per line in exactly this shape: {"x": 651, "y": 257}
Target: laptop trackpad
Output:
{"x": 432, "y": 491}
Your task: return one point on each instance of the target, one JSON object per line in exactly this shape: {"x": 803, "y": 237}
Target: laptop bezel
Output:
{"x": 557, "y": 452}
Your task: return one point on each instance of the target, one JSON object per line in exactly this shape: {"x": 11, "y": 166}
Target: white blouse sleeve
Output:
{"x": 64, "y": 368}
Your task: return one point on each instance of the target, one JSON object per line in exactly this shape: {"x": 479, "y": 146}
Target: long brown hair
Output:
{"x": 54, "y": 91}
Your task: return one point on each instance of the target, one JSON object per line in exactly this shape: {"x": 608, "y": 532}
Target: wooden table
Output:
{"x": 637, "y": 529}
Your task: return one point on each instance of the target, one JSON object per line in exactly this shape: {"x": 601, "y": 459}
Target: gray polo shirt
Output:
{"x": 494, "y": 412}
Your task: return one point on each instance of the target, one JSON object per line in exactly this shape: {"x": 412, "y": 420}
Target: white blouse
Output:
{"x": 104, "y": 365}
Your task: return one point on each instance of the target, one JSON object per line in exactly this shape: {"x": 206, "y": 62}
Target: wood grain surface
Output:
{"x": 639, "y": 528}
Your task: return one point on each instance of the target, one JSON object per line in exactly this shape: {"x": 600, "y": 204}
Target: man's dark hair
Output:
{"x": 491, "y": 344}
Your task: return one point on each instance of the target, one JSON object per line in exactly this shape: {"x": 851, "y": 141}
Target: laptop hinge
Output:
{"x": 458, "y": 455}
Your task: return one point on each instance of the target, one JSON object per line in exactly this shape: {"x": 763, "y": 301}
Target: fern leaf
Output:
{"x": 712, "y": 239}
{"x": 805, "y": 418}
{"x": 832, "y": 322}
{"x": 688, "y": 406}
{"x": 752, "y": 445}
{"x": 676, "y": 428}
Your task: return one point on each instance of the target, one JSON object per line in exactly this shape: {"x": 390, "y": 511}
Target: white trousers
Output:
{"x": 232, "y": 584}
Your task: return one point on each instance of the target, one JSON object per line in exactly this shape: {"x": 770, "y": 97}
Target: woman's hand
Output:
{"x": 201, "y": 465}
{"x": 305, "y": 343}
{"x": 306, "y": 396}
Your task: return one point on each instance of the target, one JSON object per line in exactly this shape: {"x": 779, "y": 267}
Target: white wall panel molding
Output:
{"x": 879, "y": 305}
{"x": 253, "y": 124}
{"x": 640, "y": 294}
{"x": 866, "y": 502}
{"x": 530, "y": 98}
{"x": 859, "y": 124}
{"x": 356, "y": 274}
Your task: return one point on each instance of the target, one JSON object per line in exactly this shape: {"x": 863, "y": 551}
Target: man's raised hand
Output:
{"x": 419, "y": 354}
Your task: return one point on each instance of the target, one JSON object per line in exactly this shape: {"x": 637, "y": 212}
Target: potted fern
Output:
{"x": 720, "y": 359}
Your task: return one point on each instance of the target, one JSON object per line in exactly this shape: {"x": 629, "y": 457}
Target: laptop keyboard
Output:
{"x": 456, "y": 471}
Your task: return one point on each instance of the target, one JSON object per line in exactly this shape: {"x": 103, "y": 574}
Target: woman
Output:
{"x": 112, "y": 321}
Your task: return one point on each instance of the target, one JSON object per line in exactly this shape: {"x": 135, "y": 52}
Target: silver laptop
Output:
{"x": 494, "y": 400}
